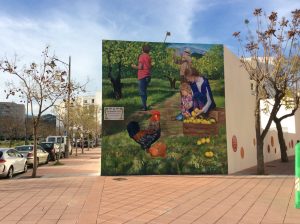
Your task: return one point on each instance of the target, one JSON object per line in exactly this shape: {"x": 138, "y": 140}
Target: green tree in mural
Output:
{"x": 211, "y": 64}
{"x": 119, "y": 55}
{"x": 269, "y": 58}
{"x": 116, "y": 55}
{"x": 169, "y": 68}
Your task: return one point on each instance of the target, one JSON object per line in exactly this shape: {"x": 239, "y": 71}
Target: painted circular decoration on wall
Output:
{"x": 234, "y": 143}
{"x": 275, "y": 150}
{"x": 242, "y": 153}
{"x": 269, "y": 149}
{"x": 272, "y": 141}
{"x": 292, "y": 143}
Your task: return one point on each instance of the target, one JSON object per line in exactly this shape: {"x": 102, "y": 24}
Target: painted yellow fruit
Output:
{"x": 203, "y": 140}
{"x": 207, "y": 140}
{"x": 199, "y": 142}
{"x": 212, "y": 120}
{"x": 209, "y": 154}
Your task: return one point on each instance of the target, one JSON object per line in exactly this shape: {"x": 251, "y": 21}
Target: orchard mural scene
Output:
{"x": 163, "y": 108}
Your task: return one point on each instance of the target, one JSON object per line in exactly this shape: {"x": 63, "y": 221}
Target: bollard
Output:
{"x": 297, "y": 175}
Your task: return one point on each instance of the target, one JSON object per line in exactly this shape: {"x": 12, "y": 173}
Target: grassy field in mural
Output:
{"x": 122, "y": 156}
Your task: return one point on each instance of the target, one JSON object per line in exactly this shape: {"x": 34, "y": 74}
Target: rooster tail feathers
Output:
{"x": 133, "y": 128}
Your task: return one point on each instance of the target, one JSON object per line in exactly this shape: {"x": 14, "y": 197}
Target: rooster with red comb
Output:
{"x": 148, "y": 136}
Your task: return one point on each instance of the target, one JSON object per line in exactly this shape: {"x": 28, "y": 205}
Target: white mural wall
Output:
{"x": 241, "y": 141}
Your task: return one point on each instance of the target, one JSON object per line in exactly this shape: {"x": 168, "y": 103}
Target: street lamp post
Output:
{"x": 26, "y": 123}
{"x": 68, "y": 104}
{"x": 68, "y": 110}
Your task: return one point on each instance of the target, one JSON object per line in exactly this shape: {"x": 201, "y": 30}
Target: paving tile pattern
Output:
{"x": 74, "y": 194}
{"x": 151, "y": 199}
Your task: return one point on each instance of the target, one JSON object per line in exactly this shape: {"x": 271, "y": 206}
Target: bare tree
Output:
{"x": 42, "y": 85}
{"x": 268, "y": 57}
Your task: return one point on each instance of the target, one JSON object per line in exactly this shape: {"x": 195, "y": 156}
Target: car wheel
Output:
{"x": 25, "y": 168}
{"x": 10, "y": 173}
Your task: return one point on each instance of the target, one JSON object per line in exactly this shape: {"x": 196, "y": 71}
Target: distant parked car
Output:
{"x": 52, "y": 148}
{"x": 27, "y": 151}
{"x": 11, "y": 162}
{"x": 85, "y": 143}
{"x": 61, "y": 141}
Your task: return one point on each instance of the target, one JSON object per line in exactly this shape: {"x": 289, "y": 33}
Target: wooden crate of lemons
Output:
{"x": 202, "y": 127}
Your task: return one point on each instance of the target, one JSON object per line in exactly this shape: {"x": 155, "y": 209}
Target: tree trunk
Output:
{"x": 71, "y": 147}
{"x": 117, "y": 87}
{"x": 76, "y": 147}
{"x": 260, "y": 156}
{"x": 260, "y": 141}
{"x": 116, "y": 82}
{"x": 284, "y": 157}
{"x": 173, "y": 84}
{"x": 34, "y": 168}
{"x": 82, "y": 145}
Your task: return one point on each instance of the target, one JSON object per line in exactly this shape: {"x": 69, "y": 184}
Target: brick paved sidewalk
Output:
{"x": 151, "y": 199}
{"x": 87, "y": 164}
{"x": 275, "y": 167}
{"x": 69, "y": 198}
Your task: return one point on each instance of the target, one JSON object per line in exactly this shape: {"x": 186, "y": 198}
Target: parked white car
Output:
{"x": 11, "y": 162}
{"x": 27, "y": 151}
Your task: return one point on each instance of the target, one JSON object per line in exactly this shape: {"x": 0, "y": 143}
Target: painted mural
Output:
{"x": 163, "y": 108}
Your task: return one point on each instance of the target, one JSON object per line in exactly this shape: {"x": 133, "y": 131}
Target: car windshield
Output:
{"x": 24, "y": 148}
{"x": 51, "y": 139}
{"x": 47, "y": 145}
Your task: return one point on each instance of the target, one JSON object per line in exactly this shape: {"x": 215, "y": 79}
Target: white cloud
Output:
{"x": 79, "y": 33}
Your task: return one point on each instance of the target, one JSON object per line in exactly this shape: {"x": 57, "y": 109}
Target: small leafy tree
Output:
{"x": 268, "y": 56}
{"x": 170, "y": 68}
{"x": 212, "y": 63}
{"x": 42, "y": 85}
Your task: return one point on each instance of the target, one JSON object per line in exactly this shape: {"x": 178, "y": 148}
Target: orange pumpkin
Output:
{"x": 159, "y": 149}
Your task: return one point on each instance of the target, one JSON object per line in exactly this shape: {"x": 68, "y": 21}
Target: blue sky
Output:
{"x": 77, "y": 27}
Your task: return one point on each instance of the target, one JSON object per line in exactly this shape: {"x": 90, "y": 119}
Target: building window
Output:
{"x": 93, "y": 101}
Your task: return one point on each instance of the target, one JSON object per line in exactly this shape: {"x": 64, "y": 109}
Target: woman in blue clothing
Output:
{"x": 202, "y": 95}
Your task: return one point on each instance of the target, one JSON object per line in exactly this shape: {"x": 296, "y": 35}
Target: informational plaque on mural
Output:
{"x": 113, "y": 113}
